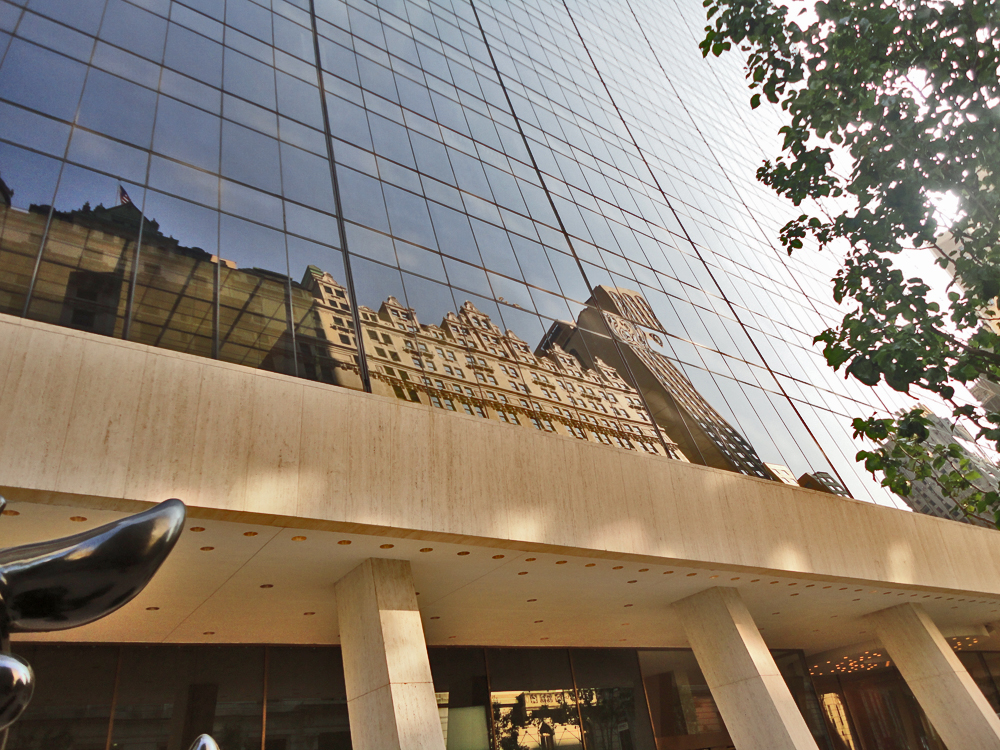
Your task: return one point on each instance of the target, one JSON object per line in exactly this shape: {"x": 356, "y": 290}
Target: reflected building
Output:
{"x": 620, "y": 325}
{"x": 926, "y": 495}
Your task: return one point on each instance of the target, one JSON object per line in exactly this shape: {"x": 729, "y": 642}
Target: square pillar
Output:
{"x": 942, "y": 686}
{"x": 748, "y": 689}
{"x": 390, "y": 693}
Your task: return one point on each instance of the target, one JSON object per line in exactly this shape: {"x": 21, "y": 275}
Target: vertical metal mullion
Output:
{"x": 494, "y": 743}
{"x": 114, "y": 699}
{"x": 341, "y": 226}
{"x": 263, "y": 713}
{"x": 576, "y": 697}
{"x": 62, "y": 166}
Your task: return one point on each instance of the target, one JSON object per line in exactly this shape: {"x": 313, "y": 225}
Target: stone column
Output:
{"x": 942, "y": 686}
{"x": 750, "y": 692}
{"x": 390, "y": 694}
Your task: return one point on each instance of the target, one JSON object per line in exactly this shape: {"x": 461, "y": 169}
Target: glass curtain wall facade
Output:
{"x": 134, "y": 697}
{"x": 160, "y": 697}
{"x": 538, "y": 212}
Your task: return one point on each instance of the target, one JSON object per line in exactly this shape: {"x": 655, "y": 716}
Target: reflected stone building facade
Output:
{"x": 461, "y": 330}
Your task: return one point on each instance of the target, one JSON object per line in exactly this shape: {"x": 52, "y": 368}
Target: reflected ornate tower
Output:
{"x": 619, "y": 327}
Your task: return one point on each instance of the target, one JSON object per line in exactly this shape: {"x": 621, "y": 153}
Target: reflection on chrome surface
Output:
{"x": 68, "y": 582}
{"x": 16, "y": 686}
{"x": 204, "y": 742}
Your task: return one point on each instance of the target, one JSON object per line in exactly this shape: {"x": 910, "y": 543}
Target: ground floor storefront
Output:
{"x": 160, "y": 697}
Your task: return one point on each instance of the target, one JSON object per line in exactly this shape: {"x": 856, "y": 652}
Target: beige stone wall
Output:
{"x": 119, "y": 422}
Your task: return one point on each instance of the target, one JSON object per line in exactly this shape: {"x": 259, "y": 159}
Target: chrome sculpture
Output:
{"x": 16, "y": 686}
{"x": 204, "y": 742}
{"x": 68, "y": 582}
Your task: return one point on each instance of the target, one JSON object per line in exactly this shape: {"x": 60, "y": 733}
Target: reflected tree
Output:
{"x": 605, "y": 711}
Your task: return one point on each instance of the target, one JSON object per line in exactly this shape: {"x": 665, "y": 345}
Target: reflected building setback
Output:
{"x": 468, "y": 364}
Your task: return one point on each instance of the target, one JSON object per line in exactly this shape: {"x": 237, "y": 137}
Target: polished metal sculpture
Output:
{"x": 16, "y": 686}
{"x": 65, "y": 583}
{"x": 204, "y": 742}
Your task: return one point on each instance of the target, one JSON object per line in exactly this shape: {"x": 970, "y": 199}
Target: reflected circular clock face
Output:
{"x": 625, "y": 330}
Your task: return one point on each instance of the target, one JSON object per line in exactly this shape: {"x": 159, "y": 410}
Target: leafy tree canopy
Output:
{"x": 909, "y": 88}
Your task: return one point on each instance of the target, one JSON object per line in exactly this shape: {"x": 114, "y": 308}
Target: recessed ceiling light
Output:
{"x": 209, "y": 632}
{"x": 152, "y": 609}
{"x": 561, "y": 562}
{"x": 498, "y": 557}
{"x": 530, "y": 559}
{"x": 344, "y": 541}
{"x": 532, "y": 600}
{"x": 249, "y": 533}
{"x": 426, "y": 549}
{"x": 618, "y": 567}
{"x": 196, "y": 529}
{"x": 691, "y": 574}
{"x": 667, "y": 572}
{"x": 523, "y": 573}
{"x": 386, "y": 546}
{"x": 207, "y": 549}
{"x": 538, "y": 621}
{"x": 267, "y": 585}
{"x": 463, "y": 553}
{"x": 78, "y": 519}
{"x": 545, "y": 638}
{"x": 301, "y": 539}
{"x": 307, "y": 614}
{"x": 628, "y": 605}
{"x": 633, "y": 581}
{"x": 436, "y": 617}
{"x": 10, "y": 512}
